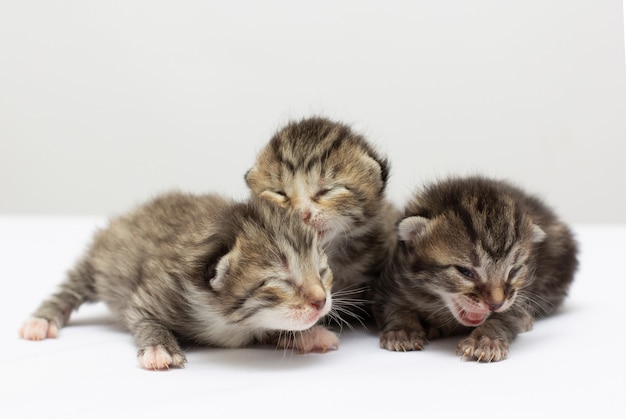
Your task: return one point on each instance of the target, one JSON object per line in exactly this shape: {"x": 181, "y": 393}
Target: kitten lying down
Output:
{"x": 475, "y": 256}
{"x": 203, "y": 270}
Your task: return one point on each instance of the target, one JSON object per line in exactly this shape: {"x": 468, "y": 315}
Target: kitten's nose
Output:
{"x": 305, "y": 215}
{"x": 495, "y": 306}
{"x": 319, "y": 304}
{"x": 495, "y": 299}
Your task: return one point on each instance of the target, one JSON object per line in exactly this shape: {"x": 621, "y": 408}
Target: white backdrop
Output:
{"x": 104, "y": 104}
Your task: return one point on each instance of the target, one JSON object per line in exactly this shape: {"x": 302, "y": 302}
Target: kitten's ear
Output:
{"x": 221, "y": 269}
{"x": 378, "y": 166}
{"x": 538, "y": 235}
{"x": 411, "y": 229}
{"x": 248, "y": 177}
{"x": 384, "y": 168}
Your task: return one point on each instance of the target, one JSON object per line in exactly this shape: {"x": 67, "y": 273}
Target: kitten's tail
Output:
{"x": 54, "y": 312}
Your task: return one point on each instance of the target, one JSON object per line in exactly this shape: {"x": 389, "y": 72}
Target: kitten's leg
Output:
{"x": 54, "y": 312}
{"x": 490, "y": 341}
{"x": 316, "y": 339}
{"x": 403, "y": 332}
{"x": 158, "y": 347}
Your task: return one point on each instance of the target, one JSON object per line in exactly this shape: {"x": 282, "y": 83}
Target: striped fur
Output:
{"x": 475, "y": 256}
{"x": 200, "y": 269}
{"x": 336, "y": 181}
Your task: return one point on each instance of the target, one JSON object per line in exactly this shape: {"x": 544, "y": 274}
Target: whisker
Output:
{"x": 278, "y": 343}
{"x": 351, "y": 302}
{"x": 350, "y": 291}
{"x": 536, "y": 303}
{"x": 289, "y": 342}
{"x": 280, "y": 334}
{"x": 335, "y": 317}
{"x": 341, "y": 321}
{"x": 348, "y": 307}
{"x": 442, "y": 315}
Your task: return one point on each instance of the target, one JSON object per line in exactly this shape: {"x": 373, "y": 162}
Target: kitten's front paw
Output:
{"x": 316, "y": 339}
{"x": 37, "y": 328}
{"x": 159, "y": 358}
{"x": 483, "y": 349}
{"x": 403, "y": 340}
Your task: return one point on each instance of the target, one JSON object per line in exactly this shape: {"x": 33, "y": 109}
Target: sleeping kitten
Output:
{"x": 336, "y": 181}
{"x": 475, "y": 256}
{"x": 205, "y": 270}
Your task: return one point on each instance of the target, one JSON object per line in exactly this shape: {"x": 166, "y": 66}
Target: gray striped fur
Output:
{"x": 475, "y": 256}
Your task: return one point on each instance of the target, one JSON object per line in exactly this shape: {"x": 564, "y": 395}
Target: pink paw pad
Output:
{"x": 37, "y": 328}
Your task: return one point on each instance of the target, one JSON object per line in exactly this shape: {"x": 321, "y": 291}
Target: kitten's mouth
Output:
{"x": 310, "y": 320}
{"x": 469, "y": 318}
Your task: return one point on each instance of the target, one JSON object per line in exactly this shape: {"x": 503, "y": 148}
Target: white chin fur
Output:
{"x": 292, "y": 319}
{"x": 278, "y": 321}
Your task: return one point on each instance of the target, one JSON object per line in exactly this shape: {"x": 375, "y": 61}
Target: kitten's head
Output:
{"x": 275, "y": 276}
{"x": 331, "y": 176}
{"x": 470, "y": 243}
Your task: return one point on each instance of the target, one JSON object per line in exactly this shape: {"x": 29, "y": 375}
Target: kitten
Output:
{"x": 205, "y": 270}
{"x": 475, "y": 256}
{"x": 336, "y": 181}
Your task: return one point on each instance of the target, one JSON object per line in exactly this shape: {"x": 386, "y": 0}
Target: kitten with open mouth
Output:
{"x": 474, "y": 256}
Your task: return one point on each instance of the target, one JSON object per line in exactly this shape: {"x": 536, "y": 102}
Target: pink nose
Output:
{"x": 495, "y": 306}
{"x": 319, "y": 304}
{"x": 305, "y": 215}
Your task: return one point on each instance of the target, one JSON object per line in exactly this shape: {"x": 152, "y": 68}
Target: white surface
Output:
{"x": 569, "y": 366}
{"x": 106, "y": 103}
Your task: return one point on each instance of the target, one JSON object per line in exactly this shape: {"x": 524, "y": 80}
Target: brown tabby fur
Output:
{"x": 204, "y": 270}
{"x": 336, "y": 181}
{"x": 475, "y": 256}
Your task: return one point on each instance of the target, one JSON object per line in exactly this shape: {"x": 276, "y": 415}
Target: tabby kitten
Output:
{"x": 205, "y": 270}
{"x": 336, "y": 181}
{"x": 475, "y": 256}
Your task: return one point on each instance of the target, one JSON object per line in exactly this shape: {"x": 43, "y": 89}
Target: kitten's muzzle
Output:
{"x": 495, "y": 299}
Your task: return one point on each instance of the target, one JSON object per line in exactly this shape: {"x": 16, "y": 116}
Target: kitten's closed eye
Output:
{"x": 280, "y": 283}
{"x": 282, "y": 197}
{"x": 514, "y": 271}
{"x": 321, "y": 193}
{"x": 465, "y": 272}
{"x": 278, "y": 196}
{"x": 336, "y": 191}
